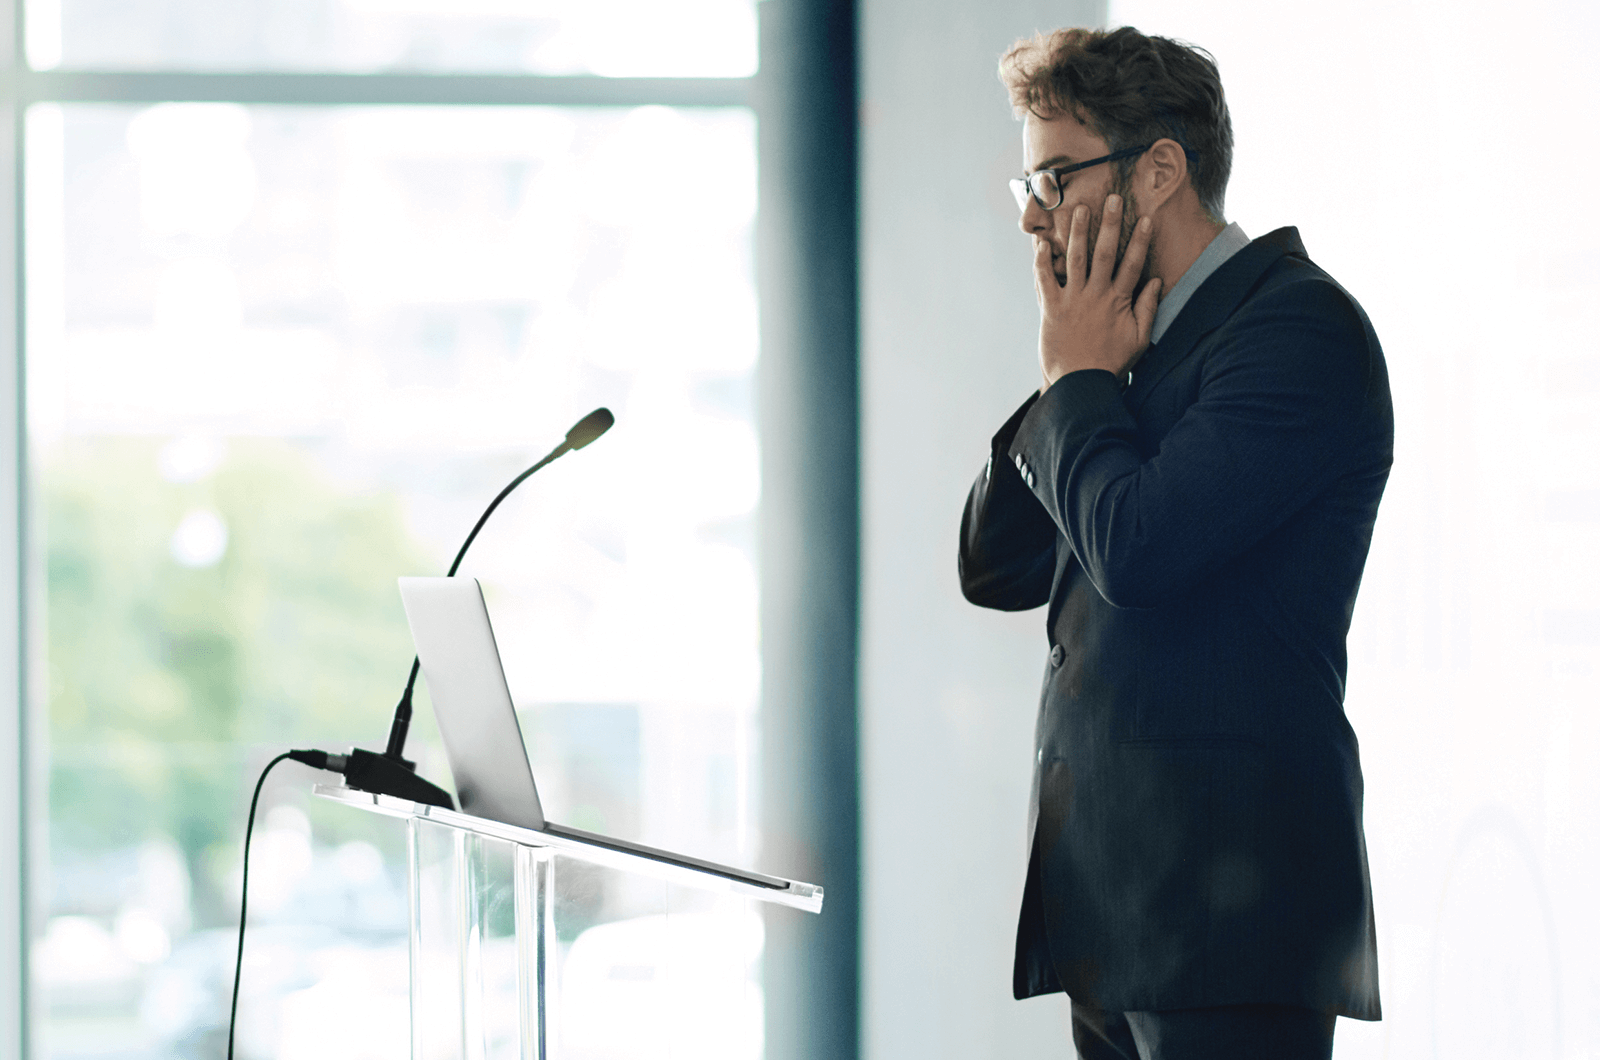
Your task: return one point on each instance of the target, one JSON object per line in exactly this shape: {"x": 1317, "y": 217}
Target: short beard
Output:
{"x": 1122, "y": 184}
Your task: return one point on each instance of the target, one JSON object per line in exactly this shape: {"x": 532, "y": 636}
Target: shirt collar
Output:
{"x": 1227, "y": 243}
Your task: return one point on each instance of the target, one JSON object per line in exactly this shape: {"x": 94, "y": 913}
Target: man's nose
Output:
{"x": 1034, "y": 218}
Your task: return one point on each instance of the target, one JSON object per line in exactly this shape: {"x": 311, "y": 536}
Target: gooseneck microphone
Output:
{"x": 391, "y": 773}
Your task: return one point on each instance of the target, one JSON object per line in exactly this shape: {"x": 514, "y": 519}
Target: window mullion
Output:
{"x": 15, "y": 765}
{"x": 103, "y": 86}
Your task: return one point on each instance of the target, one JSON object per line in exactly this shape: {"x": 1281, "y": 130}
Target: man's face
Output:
{"x": 1063, "y": 141}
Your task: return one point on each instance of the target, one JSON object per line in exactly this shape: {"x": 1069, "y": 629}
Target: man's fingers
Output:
{"x": 1043, "y": 273}
{"x": 1133, "y": 260}
{"x": 1105, "y": 244}
{"x": 1078, "y": 247}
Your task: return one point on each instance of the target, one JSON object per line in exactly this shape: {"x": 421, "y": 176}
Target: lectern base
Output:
{"x": 531, "y": 946}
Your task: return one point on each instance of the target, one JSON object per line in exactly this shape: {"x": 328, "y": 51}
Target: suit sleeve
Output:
{"x": 1008, "y": 540}
{"x": 1279, "y": 411}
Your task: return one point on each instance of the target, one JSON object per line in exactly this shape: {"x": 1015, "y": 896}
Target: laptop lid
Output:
{"x": 471, "y": 701}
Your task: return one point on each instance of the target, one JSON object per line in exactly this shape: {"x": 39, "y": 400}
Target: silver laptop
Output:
{"x": 472, "y": 703}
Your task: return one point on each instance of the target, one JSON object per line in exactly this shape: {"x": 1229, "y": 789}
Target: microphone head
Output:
{"x": 589, "y": 428}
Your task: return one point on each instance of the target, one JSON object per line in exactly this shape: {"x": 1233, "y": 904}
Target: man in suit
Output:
{"x": 1192, "y": 492}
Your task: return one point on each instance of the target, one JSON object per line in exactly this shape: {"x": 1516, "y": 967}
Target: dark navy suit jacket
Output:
{"x": 1199, "y": 538}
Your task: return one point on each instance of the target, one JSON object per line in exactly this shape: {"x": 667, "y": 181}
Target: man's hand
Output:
{"x": 1093, "y": 321}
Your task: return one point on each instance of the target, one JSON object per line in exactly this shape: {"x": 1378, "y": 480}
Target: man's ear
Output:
{"x": 1160, "y": 173}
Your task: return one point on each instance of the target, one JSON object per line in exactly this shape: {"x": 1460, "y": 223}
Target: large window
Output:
{"x": 281, "y": 351}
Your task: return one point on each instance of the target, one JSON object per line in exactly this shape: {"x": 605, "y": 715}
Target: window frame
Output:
{"x": 24, "y": 760}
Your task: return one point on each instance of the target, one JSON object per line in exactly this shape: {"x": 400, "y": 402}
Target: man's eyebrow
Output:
{"x": 1053, "y": 162}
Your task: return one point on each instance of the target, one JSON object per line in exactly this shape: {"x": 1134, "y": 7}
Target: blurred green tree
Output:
{"x": 170, "y": 684}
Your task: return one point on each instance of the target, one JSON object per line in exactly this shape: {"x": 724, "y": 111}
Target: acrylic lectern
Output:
{"x": 532, "y": 946}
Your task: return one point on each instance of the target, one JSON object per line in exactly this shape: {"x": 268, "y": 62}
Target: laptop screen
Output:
{"x": 461, "y": 662}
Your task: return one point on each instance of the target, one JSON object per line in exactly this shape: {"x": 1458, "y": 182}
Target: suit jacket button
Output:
{"x": 1057, "y": 654}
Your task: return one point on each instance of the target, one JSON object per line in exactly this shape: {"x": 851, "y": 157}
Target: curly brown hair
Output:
{"x": 1130, "y": 89}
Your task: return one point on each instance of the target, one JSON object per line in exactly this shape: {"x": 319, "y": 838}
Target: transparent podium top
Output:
{"x": 793, "y": 893}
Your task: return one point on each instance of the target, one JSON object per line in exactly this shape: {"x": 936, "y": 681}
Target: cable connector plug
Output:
{"x": 321, "y": 760}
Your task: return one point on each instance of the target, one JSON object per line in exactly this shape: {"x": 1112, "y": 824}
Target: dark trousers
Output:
{"x": 1232, "y": 1032}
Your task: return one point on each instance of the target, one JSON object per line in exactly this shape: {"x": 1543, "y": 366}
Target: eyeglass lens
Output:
{"x": 1046, "y": 188}
{"x": 1042, "y": 185}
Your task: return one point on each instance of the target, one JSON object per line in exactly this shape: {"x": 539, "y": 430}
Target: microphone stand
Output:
{"x": 391, "y": 773}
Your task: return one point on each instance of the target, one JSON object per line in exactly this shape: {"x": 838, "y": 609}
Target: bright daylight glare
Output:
{"x": 620, "y": 38}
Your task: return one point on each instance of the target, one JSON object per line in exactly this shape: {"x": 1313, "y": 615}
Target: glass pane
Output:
{"x": 280, "y": 356}
{"x": 622, "y": 38}
{"x": 637, "y": 966}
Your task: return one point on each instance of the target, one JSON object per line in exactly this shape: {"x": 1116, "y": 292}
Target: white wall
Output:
{"x": 948, "y": 691}
{"x": 1438, "y": 160}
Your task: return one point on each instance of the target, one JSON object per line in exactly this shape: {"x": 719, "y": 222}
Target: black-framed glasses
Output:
{"x": 1045, "y": 184}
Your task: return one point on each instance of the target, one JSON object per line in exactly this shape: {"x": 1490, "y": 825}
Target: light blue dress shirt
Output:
{"x": 1227, "y": 243}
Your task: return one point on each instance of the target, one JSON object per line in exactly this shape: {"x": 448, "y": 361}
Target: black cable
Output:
{"x": 315, "y": 759}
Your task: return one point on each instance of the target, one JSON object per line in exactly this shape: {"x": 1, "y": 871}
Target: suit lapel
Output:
{"x": 1064, "y": 561}
{"x": 1208, "y": 307}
